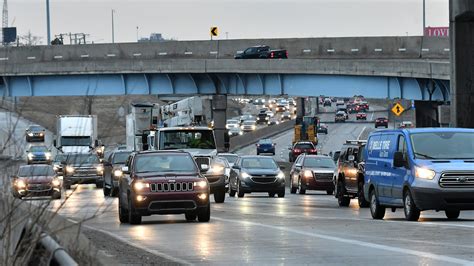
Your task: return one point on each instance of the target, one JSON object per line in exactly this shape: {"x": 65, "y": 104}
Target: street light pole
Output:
{"x": 113, "y": 30}
{"x": 137, "y": 33}
{"x": 424, "y": 18}
{"x": 48, "y": 26}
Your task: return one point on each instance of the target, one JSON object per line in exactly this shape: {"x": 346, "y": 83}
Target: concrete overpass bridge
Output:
{"x": 379, "y": 67}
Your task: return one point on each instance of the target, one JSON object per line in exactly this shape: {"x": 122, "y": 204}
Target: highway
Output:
{"x": 297, "y": 229}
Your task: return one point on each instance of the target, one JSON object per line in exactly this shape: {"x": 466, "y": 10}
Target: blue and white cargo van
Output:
{"x": 420, "y": 169}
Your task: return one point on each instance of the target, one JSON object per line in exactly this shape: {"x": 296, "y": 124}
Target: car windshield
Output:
{"x": 38, "y": 149}
{"x": 78, "y": 159}
{"x": 229, "y": 158}
{"x": 232, "y": 122}
{"x": 443, "y": 145}
{"x": 36, "y": 128}
{"x": 36, "y": 170}
{"x": 120, "y": 157}
{"x": 318, "y": 162}
{"x": 164, "y": 163}
{"x": 187, "y": 139}
{"x": 249, "y": 123}
{"x": 259, "y": 163}
{"x": 60, "y": 157}
{"x": 304, "y": 146}
{"x": 76, "y": 141}
{"x": 265, "y": 141}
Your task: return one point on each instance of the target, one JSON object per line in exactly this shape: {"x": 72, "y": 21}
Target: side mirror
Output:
{"x": 398, "y": 160}
{"x": 298, "y": 166}
{"x": 125, "y": 170}
{"x": 96, "y": 143}
{"x": 235, "y": 166}
{"x": 351, "y": 158}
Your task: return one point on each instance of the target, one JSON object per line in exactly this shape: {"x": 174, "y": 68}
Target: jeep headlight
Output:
{"x": 118, "y": 173}
{"x": 424, "y": 173}
{"x": 200, "y": 184}
{"x": 31, "y": 156}
{"x": 20, "y": 184}
{"x": 100, "y": 168}
{"x": 56, "y": 182}
{"x": 140, "y": 185}
{"x": 281, "y": 175}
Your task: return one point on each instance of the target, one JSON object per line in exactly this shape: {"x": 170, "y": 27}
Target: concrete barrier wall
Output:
{"x": 253, "y": 137}
{"x": 330, "y": 48}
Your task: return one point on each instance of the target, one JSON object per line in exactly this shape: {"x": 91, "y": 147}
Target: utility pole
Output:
{"x": 5, "y": 14}
{"x": 137, "y": 33}
{"x": 424, "y": 18}
{"x": 48, "y": 25}
{"x": 113, "y": 30}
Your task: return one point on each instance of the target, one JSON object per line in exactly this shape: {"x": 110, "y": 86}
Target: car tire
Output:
{"x": 240, "y": 194}
{"x": 56, "y": 195}
{"x": 204, "y": 215}
{"x": 329, "y": 192}
{"x": 99, "y": 184}
{"x": 342, "y": 200}
{"x": 258, "y": 153}
{"x": 452, "y": 214}
{"x": 273, "y": 153}
{"x": 133, "y": 217}
{"x": 281, "y": 194}
{"x": 271, "y": 194}
{"x": 301, "y": 190}
{"x": 190, "y": 217}
{"x": 231, "y": 191}
{"x": 292, "y": 188}
{"x": 114, "y": 192}
{"x": 123, "y": 213}
{"x": 363, "y": 203}
{"x": 106, "y": 190}
{"x": 67, "y": 185}
{"x": 219, "y": 196}
{"x": 412, "y": 213}
{"x": 386, "y": 126}
{"x": 377, "y": 211}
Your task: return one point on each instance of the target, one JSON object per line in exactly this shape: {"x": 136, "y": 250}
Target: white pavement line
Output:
{"x": 402, "y": 49}
{"x": 31, "y": 57}
{"x": 362, "y": 131}
{"x": 84, "y": 56}
{"x": 372, "y": 116}
{"x": 356, "y": 242}
{"x": 378, "y": 50}
{"x": 154, "y": 252}
{"x": 58, "y": 57}
{"x": 137, "y": 54}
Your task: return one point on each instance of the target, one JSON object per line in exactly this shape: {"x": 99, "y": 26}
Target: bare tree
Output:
{"x": 29, "y": 39}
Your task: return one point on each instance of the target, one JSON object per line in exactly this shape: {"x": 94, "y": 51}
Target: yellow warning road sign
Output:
{"x": 214, "y": 31}
{"x": 398, "y": 109}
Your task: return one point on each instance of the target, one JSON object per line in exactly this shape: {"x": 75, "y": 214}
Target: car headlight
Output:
{"x": 100, "y": 168}
{"x": 70, "y": 169}
{"x": 241, "y": 133}
{"x": 242, "y": 127}
{"x": 118, "y": 173}
{"x": 424, "y": 173}
{"x": 31, "y": 156}
{"x": 266, "y": 118}
{"x": 254, "y": 127}
{"x": 20, "y": 184}
{"x": 141, "y": 185}
{"x": 56, "y": 182}
{"x": 47, "y": 155}
{"x": 308, "y": 174}
{"x": 217, "y": 168}
{"x": 41, "y": 134}
{"x": 30, "y": 134}
{"x": 55, "y": 167}
{"x": 244, "y": 175}
{"x": 281, "y": 175}
{"x": 200, "y": 184}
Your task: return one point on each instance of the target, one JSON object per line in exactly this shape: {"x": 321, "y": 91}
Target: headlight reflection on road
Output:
{"x": 203, "y": 243}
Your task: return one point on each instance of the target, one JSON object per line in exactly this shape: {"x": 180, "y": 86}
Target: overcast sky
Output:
{"x": 191, "y": 19}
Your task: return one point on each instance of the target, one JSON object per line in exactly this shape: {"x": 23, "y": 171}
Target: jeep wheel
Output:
{"x": 123, "y": 213}
{"x": 56, "y": 195}
{"x": 67, "y": 185}
{"x": 301, "y": 190}
{"x": 363, "y": 203}
{"x": 133, "y": 217}
{"x": 377, "y": 211}
{"x": 240, "y": 193}
{"x": 452, "y": 214}
{"x": 281, "y": 194}
{"x": 190, "y": 216}
{"x": 113, "y": 191}
{"x": 271, "y": 194}
{"x": 342, "y": 200}
{"x": 219, "y": 196}
{"x": 231, "y": 191}
{"x": 412, "y": 213}
{"x": 204, "y": 214}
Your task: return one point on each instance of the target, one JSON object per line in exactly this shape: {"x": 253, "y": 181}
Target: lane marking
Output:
{"x": 355, "y": 242}
{"x": 154, "y": 252}
{"x": 372, "y": 116}
{"x": 362, "y": 131}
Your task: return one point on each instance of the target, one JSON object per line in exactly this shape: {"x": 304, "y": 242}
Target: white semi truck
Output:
{"x": 190, "y": 111}
{"x": 77, "y": 134}
{"x": 141, "y": 123}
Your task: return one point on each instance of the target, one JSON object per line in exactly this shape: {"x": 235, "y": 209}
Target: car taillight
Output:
{"x": 297, "y": 150}
{"x": 286, "y": 53}
{"x": 385, "y": 120}
{"x": 272, "y": 55}
{"x": 312, "y": 150}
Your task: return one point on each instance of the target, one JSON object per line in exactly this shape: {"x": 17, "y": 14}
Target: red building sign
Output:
{"x": 437, "y": 31}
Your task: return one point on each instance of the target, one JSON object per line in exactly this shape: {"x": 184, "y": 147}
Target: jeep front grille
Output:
{"x": 172, "y": 187}
{"x": 457, "y": 180}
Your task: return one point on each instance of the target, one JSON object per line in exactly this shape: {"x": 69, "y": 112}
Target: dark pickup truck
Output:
{"x": 262, "y": 52}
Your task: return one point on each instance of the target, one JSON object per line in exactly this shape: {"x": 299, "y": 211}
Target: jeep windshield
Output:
{"x": 187, "y": 139}
{"x": 79, "y": 159}
{"x": 443, "y": 145}
{"x": 37, "y": 170}
{"x": 164, "y": 163}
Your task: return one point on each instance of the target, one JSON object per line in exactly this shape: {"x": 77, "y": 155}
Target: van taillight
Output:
{"x": 272, "y": 55}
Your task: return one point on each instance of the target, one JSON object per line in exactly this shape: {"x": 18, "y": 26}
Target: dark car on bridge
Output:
{"x": 82, "y": 168}
{"x": 265, "y": 146}
{"x": 38, "y": 155}
{"x": 300, "y": 148}
{"x": 340, "y": 117}
{"x": 381, "y": 122}
{"x": 323, "y": 129}
{"x": 312, "y": 172}
{"x": 35, "y": 133}
{"x": 361, "y": 116}
{"x": 36, "y": 180}
{"x": 162, "y": 182}
{"x": 349, "y": 177}
{"x": 256, "y": 174}
{"x": 113, "y": 171}
{"x": 262, "y": 52}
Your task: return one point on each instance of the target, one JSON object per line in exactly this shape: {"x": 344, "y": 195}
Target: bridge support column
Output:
{"x": 461, "y": 26}
{"x": 219, "y": 108}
